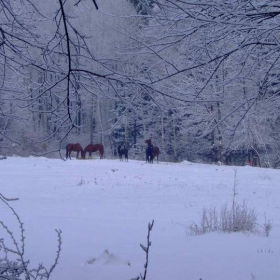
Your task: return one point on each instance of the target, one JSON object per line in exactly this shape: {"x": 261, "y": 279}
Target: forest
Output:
{"x": 199, "y": 79}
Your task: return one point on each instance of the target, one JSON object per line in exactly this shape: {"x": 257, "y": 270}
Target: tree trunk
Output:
{"x": 174, "y": 138}
{"x": 100, "y": 121}
{"x": 220, "y": 149}
{"x": 91, "y": 122}
{"x": 162, "y": 134}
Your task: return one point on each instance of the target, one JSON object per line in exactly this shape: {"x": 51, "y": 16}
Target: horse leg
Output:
{"x": 126, "y": 155}
{"x": 156, "y": 156}
{"x": 77, "y": 155}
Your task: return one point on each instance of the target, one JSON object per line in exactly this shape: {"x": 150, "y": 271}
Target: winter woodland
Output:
{"x": 198, "y": 78}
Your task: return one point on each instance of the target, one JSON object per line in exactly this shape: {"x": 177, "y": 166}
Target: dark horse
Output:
{"x": 122, "y": 152}
{"x": 73, "y": 148}
{"x": 151, "y": 151}
{"x": 91, "y": 148}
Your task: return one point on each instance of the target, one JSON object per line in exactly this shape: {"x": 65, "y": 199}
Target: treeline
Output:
{"x": 180, "y": 74}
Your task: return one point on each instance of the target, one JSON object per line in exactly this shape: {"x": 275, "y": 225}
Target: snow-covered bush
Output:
{"x": 13, "y": 265}
{"x": 238, "y": 217}
{"x": 229, "y": 219}
{"x": 234, "y": 218}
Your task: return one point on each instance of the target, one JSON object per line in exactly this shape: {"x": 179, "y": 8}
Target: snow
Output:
{"x": 103, "y": 208}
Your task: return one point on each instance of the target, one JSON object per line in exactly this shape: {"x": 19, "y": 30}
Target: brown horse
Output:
{"x": 73, "y": 148}
{"x": 91, "y": 148}
{"x": 151, "y": 151}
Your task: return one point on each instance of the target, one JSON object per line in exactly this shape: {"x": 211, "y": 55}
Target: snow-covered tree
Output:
{"x": 217, "y": 59}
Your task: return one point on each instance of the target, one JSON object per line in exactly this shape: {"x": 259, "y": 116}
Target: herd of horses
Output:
{"x": 91, "y": 148}
{"x": 152, "y": 152}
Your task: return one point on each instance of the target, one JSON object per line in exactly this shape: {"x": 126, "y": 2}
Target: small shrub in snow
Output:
{"x": 234, "y": 218}
{"x": 267, "y": 227}
{"x": 238, "y": 218}
{"x": 209, "y": 222}
{"x": 229, "y": 219}
{"x": 13, "y": 265}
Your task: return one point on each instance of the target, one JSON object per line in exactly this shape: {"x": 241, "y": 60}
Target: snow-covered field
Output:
{"x": 103, "y": 208}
